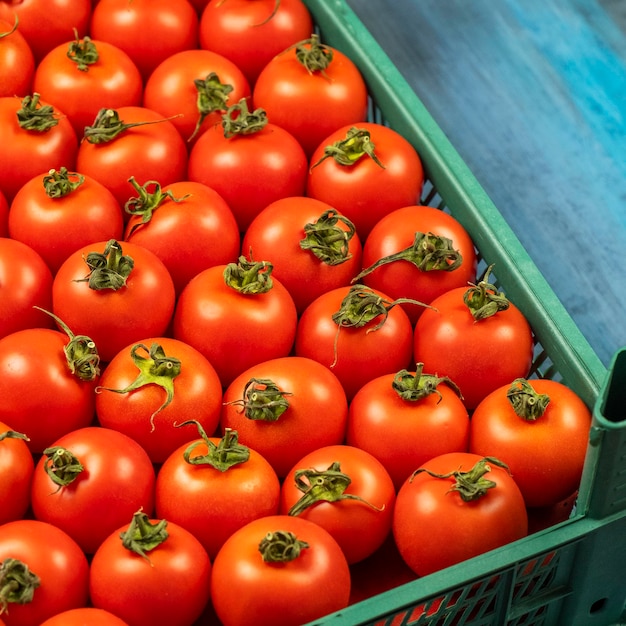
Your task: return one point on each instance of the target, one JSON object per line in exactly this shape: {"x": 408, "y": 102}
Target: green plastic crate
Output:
{"x": 574, "y": 573}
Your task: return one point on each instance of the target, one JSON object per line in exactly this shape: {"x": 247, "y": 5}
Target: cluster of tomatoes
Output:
{"x": 244, "y": 373}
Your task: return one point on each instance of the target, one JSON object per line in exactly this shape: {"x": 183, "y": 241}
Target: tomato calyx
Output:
{"x": 324, "y": 486}
{"x": 62, "y": 466}
{"x": 34, "y": 116}
{"x": 484, "y": 300}
{"x": 313, "y": 55}
{"x": 155, "y": 369}
{"x": 470, "y": 485}
{"x": 60, "y": 183}
{"x": 17, "y": 583}
{"x": 227, "y": 453}
{"x": 428, "y": 253}
{"x": 281, "y": 546}
{"x": 326, "y": 240}
{"x": 239, "y": 120}
{"x": 414, "y": 387}
{"x": 348, "y": 151}
{"x": 107, "y": 125}
{"x": 249, "y": 277}
{"x": 526, "y": 402}
{"x": 108, "y": 269}
{"x": 84, "y": 53}
{"x": 142, "y": 535}
{"x": 212, "y": 97}
{"x": 13, "y": 434}
{"x": 263, "y": 400}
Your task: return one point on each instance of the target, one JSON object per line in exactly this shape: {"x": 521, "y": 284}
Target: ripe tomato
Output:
{"x": 25, "y": 282}
{"x": 285, "y": 408}
{"x": 236, "y": 315}
{"x": 212, "y": 487}
{"x": 197, "y": 86}
{"x": 16, "y": 472}
{"x": 89, "y": 481}
{"x": 150, "y": 387}
{"x": 45, "y": 561}
{"x": 311, "y": 90}
{"x": 58, "y": 212}
{"x": 540, "y": 429}
{"x": 4, "y": 216}
{"x": 17, "y": 63}
{"x": 480, "y": 345}
{"x": 358, "y": 333}
{"x": 455, "y": 507}
{"x": 172, "y": 577}
{"x": 274, "y": 163}
{"x": 345, "y": 490}
{"x": 104, "y": 290}
{"x": 284, "y": 570}
{"x": 148, "y": 31}
{"x": 405, "y": 419}
{"x": 86, "y": 615}
{"x": 250, "y": 34}
{"x": 365, "y": 171}
{"x": 186, "y": 224}
{"x": 313, "y": 248}
{"x": 132, "y": 142}
{"x": 418, "y": 252}
{"x": 35, "y": 138}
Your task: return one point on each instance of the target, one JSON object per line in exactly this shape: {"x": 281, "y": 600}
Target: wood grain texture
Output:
{"x": 532, "y": 93}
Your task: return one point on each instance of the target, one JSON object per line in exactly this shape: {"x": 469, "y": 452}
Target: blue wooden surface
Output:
{"x": 532, "y": 93}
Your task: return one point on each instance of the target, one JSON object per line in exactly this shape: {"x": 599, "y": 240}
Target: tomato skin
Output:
{"x": 234, "y": 331}
{"x": 197, "y": 395}
{"x": 86, "y": 615}
{"x": 357, "y": 527}
{"x": 316, "y": 416}
{"x": 212, "y": 504}
{"x": 401, "y": 279}
{"x": 190, "y": 234}
{"x": 17, "y": 63}
{"x": 546, "y": 456}
{"x": 434, "y": 528}
{"x": 365, "y": 192}
{"x": 243, "y": 31}
{"x": 114, "y": 319}
{"x": 25, "y": 282}
{"x": 274, "y": 163}
{"x": 314, "y": 584}
{"x": 131, "y": 586}
{"x": 4, "y": 216}
{"x": 56, "y": 227}
{"x": 16, "y": 472}
{"x": 404, "y": 434}
{"x": 56, "y": 559}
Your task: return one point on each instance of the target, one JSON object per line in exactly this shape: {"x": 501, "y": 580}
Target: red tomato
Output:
{"x": 16, "y": 472}
{"x": 274, "y": 163}
{"x": 84, "y": 616}
{"x": 407, "y": 418}
{"x": 136, "y": 142}
{"x": 311, "y": 90}
{"x": 85, "y": 75}
{"x": 365, "y": 171}
{"x": 104, "y": 290}
{"x": 57, "y": 571}
{"x": 35, "y": 138}
{"x": 313, "y": 249}
{"x": 478, "y": 353}
{"x": 236, "y": 315}
{"x": 41, "y": 397}
{"x": 370, "y": 337}
{"x": 197, "y": 86}
{"x": 212, "y": 487}
{"x": 58, "y": 212}
{"x": 150, "y": 387}
{"x": 4, "y": 216}
{"x": 418, "y": 252}
{"x": 250, "y": 34}
{"x": 25, "y": 282}
{"x": 17, "y": 64}
{"x": 345, "y": 490}
{"x": 540, "y": 429}
{"x": 284, "y": 570}
{"x": 307, "y": 409}
{"x": 89, "y": 481}
{"x": 172, "y": 579}
{"x": 463, "y": 504}
{"x": 187, "y": 225}
{"x": 149, "y": 31}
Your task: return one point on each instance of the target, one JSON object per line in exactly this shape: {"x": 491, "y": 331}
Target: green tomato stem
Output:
{"x": 326, "y": 240}
{"x": 249, "y": 277}
{"x": 108, "y": 269}
{"x": 484, "y": 300}
{"x": 212, "y": 97}
{"x": 415, "y": 387}
{"x": 239, "y": 120}
{"x": 61, "y": 183}
{"x": 263, "y": 400}
{"x": 526, "y": 402}
{"x": 356, "y": 144}
{"x": 62, "y": 466}
{"x": 142, "y": 535}
{"x": 84, "y": 53}
{"x": 17, "y": 584}
{"x": 35, "y": 117}
{"x": 281, "y": 546}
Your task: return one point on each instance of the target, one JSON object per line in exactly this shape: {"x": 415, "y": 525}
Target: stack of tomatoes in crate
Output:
{"x": 244, "y": 369}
